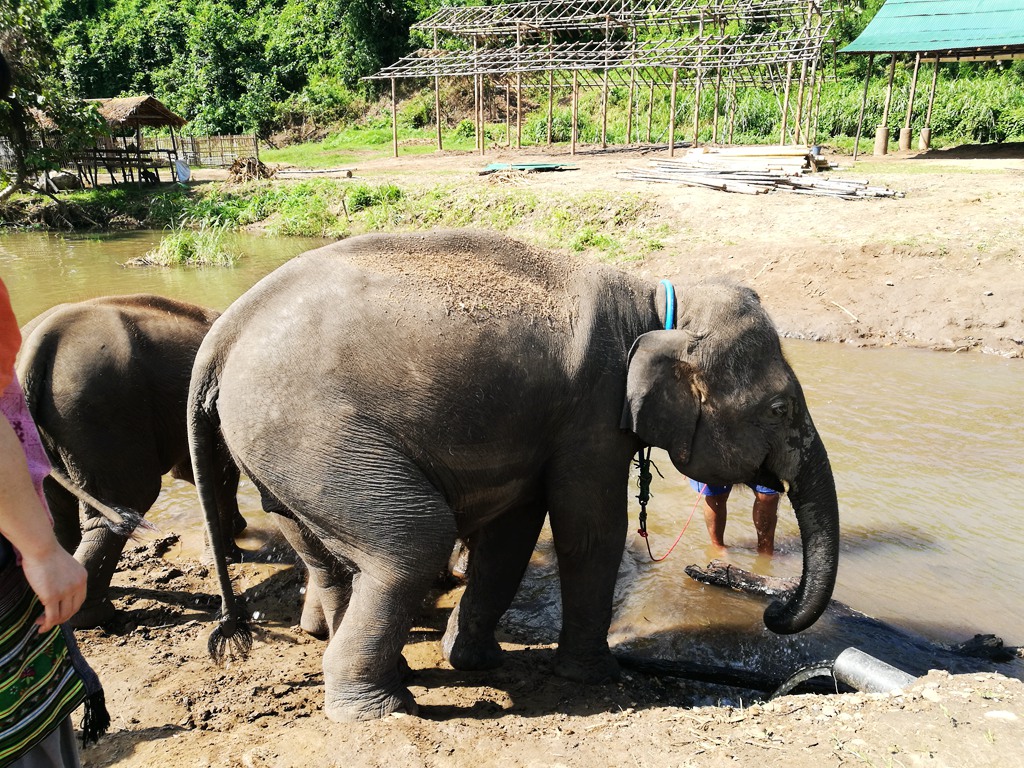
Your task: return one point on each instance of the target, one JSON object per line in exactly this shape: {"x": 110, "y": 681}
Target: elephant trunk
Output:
{"x": 813, "y": 495}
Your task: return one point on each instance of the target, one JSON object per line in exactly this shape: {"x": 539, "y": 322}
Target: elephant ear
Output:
{"x": 664, "y": 390}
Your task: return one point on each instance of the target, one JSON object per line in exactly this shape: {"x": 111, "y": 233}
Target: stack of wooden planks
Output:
{"x": 755, "y": 171}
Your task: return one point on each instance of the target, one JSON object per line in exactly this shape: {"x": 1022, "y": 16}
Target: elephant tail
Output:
{"x": 233, "y": 635}
{"x": 124, "y": 521}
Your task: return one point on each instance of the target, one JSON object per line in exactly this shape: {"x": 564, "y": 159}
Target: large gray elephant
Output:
{"x": 389, "y": 393}
{"x": 106, "y": 381}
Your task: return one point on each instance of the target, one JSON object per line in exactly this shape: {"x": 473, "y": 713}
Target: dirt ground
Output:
{"x": 941, "y": 267}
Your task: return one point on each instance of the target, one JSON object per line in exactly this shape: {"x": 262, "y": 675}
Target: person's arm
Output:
{"x": 54, "y": 575}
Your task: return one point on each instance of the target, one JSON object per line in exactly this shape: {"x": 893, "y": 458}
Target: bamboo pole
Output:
{"x": 882, "y": 134}
{"x": 519, "y": 95}
{"x": 732, "y": 111}
{"x": 718, "y": 99}
{"x": 905, "y": 132}
{"x": 718, "y": 88}
{"x": 604, "y": 111}
{"x": 863, "y": 104}
{"x": 784, "y": 118}
{"x": 817, "y": 108}
{"x": 650, "y": 110}
{"x": 696, "y": 109}
{"x": 508, "y": 116}
{"x": 672, "y": 114}
{"x": 551, "y": 91}
{"x": 437, "y": 102}
{"x": 519, "y": 110}
{"x": 798, "y": 121}
{"x": 697, "y": 84}
{"x": 575, "y": 108}
{"x": 629, "y": 112}
{"x": 394, "y": 116}
{"x": 926, "y": 132}
{"x": 604, "y": 92}
{"x": 477, "y": 78}
{"x": 812, "y": 94}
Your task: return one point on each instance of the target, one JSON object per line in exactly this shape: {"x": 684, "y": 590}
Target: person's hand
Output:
{"x": 58, "y": 581}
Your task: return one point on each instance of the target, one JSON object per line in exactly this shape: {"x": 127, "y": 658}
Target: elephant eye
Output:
{"x": 778, "y": 410}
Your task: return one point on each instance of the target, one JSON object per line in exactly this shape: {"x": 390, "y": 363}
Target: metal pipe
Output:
{"x": 868, "y": 674}
{"x": 854, "y": 668}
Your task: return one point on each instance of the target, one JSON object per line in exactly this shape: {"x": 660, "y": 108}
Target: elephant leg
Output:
{"x": 67, "y": 526}
{"x": 99, "y": 551}
{"x": 396, "y": 555}
{"x": 328, "y": 584}
{"x": 498, "y": 556}
{"x": 589, "y": 550}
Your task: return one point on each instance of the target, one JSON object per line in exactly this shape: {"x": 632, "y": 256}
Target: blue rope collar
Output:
{"x": 670, "y": 305}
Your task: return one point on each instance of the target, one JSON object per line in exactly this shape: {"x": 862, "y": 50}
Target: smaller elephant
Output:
{"x": 106, "y": 381}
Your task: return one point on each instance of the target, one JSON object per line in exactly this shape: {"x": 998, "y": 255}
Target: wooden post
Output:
{"x": 718, "y": 88}
{"x": 697, "y": 84}
{"x": 863, "y": 104}
{"x": 718, "y": 101}
{"x": 551, "y": 103}
{"x": 551, "y": 90}
{"x": 508, "y": 116}
{"x": 604, "y": 111}
{"x": 650, "y": 110}
{"x": 483, "y": 114}
{"x": 575, "y": 109}
{"x": 905, "y": 132}
{"x": 811, "y": 109}
{"x": 519, "y": 110}
{"x": 629, "y": 113}
{"x": 817, "y": 107}
{"x": 604, "y": 90}
{"x": 732, "y": 111}
{"x": 672, "y": 114}
{"x": 519, "y": 94}
{"x": 394, "y": 116}
{"x": 882, "y": 134}
{"x": 437, "y": 102}
{"x": 926, "y": 132}
{"x": 798, "y": 122}
{"x": 785, "y": 103}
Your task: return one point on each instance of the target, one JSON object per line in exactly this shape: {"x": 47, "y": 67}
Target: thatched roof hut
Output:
{"x": 136, "y": 111}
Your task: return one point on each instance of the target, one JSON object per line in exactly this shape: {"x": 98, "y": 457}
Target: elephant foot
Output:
{"x": 468, "y": 653}
{"x": 93, "y": 613}
{"x": 313, "y": 622}
{"x": 233, "y": 554}
{"x": 590, "y": 671}
{"x": 349, "y": 709}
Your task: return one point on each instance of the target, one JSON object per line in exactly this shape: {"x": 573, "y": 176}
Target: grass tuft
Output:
{"x": 205, "y": 246}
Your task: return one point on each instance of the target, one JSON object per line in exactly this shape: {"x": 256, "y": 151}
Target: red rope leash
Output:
{"x": 680, "y": 536}
{"x": 643, "y": 461}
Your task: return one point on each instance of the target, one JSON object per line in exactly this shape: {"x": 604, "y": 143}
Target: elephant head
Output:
{"x": 717, "y": 394}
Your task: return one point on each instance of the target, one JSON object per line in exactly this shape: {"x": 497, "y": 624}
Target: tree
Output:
{"x": 28, "y": 78}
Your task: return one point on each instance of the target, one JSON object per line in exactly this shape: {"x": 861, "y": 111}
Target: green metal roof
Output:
{"x": 953, "y": 28}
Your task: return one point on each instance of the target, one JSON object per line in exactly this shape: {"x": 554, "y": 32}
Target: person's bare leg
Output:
{"x": 766, "y": 515}
{"x": 716, "y": 514}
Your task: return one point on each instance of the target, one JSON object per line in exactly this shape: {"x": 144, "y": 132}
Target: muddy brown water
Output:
{"x": 926, "y": 449}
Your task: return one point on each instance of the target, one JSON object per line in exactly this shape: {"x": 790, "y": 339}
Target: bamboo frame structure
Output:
{"x": 569, "y": 45}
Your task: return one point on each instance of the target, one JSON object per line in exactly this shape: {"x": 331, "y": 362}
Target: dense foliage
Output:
{"x": 229, "y": 65}
{"x": 263, "y": 65}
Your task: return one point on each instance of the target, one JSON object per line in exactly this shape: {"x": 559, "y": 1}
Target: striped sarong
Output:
{"x": 39, "y": 687}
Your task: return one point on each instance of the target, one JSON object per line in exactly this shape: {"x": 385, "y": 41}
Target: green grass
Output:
{"x": 205, "y": 246}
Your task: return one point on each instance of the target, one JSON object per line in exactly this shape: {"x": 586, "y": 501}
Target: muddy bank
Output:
{"x": 171, "y": 706}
